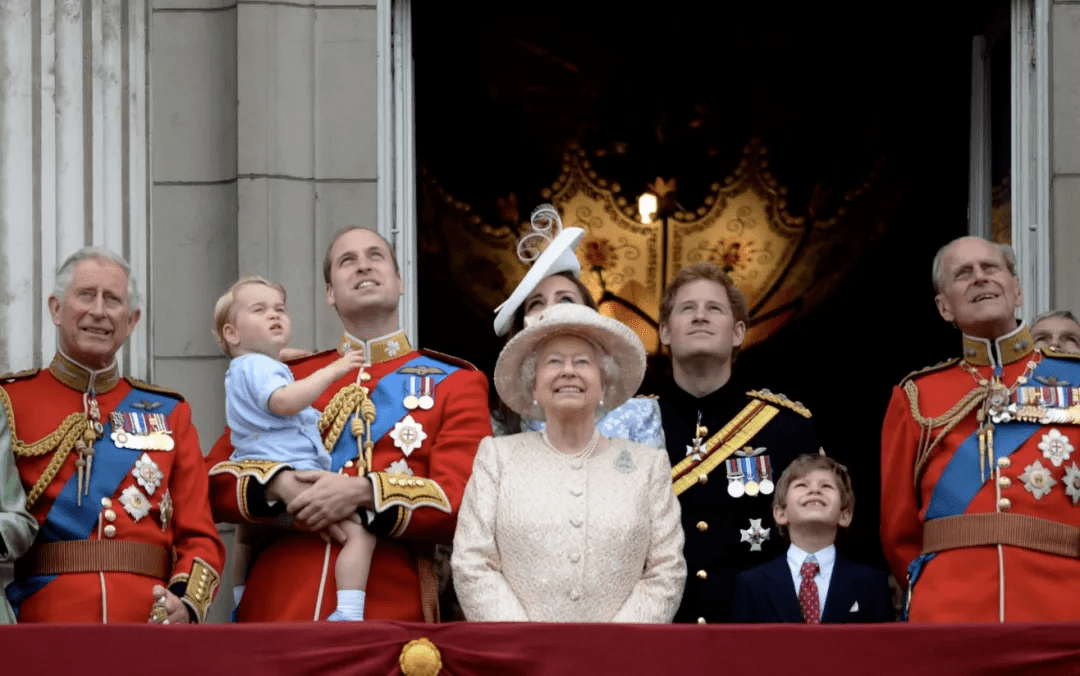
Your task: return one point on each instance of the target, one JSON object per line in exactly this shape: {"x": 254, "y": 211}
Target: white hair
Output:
{"x": 67, "y": 271}
{"x": 1006, "y": 250}
{"x": 1056, "y": 313}
{"x": 609, "y": 369}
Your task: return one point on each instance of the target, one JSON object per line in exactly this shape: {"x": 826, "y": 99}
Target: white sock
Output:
{"x": 350, "y": 603}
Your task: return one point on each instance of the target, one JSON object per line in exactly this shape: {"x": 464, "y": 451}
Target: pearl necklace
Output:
{"x": 580, "y": 455}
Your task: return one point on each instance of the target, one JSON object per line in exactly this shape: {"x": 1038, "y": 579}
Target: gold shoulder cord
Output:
{"x": 351, "y": 398}
{"x": 76, "y": 427}
{"x": 960, "y": 410}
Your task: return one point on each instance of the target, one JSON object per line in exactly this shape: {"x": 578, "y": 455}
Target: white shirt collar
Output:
{"x": 826, "y": 559}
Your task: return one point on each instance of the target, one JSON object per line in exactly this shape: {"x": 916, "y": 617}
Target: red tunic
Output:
{"x": 40, "y": 403}
{"x": 989, "y": 582}
{"x": 284, "y": 581}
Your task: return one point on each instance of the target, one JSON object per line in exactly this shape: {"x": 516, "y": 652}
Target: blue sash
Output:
{"x": 388, "y": 397}
{"x": 960, "y": 482}
{"x": 67, "y": 519}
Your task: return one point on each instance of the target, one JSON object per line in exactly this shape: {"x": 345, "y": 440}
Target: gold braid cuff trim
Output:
{"x": 74, "y": 428}
{"x": 731, "y": 437}
{"x": 409, "y": 492}
{"x": 780, "y": 400}
{"x": 261, "y": 470}
{"x": 403, "y": 517}
{"x": 202, "y": 585}
{"x": 949, "y": 419}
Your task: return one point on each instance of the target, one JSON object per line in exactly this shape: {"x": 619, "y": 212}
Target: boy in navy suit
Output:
{"x": 812, "y": 583}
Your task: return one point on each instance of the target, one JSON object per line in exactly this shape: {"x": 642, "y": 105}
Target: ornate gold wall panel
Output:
{"x": 783, "y": 263}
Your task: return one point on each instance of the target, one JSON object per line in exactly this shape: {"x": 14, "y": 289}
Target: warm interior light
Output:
{"x": 646, "y": 205}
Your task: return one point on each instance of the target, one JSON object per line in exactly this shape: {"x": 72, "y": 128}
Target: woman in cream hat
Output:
{"x": 554, "y": 278}
{"x": 566, "y": 524}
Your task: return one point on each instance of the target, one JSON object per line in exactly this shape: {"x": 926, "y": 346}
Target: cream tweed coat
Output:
{"x": 544, "y": 537}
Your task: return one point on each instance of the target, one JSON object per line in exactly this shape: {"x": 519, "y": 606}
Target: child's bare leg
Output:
{"x": 351, "y": 570}
{"x": 241, "y": 562}
{"x": 354, "y": 559}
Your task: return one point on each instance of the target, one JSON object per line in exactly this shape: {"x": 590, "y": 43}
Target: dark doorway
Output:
{"x": 838, "y": 91}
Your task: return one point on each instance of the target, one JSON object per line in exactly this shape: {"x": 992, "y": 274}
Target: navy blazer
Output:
{"x": 857, "y": 593}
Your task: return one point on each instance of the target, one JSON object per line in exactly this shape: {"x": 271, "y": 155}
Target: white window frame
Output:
{"x": 397, "y": 148}
{"x": 1030, "y": 154}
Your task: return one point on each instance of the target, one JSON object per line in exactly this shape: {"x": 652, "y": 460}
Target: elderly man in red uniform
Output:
{"x": 979, "y": 486}
{"x": 112, "y": 470}
{"x": 402, "y": 434}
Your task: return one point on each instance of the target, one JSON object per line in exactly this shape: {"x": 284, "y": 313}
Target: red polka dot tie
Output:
{"x": 808, "y": 592}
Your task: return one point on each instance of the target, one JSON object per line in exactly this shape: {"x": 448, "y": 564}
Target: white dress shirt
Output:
{"x": 826, "y": 559}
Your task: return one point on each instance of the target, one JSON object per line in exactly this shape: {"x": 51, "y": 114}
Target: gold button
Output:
{"x": 392, "y": 481}
{"x": 1004, "y": 482}
{"x": 702, "y": 575}
{"x": 1004, "y": 462}
{"x": 702, "y": 526}
{"x": 701, "y": 620}
{"x": 1004, "y": 504}
{"x": 110, "y": 531}
{"x": 703, "y": 479}
{"x": 106, "y": 503}
{"x": 110, "y": 515}
{"x": 349, "y": 464}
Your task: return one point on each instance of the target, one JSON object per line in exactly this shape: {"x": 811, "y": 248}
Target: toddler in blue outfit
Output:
{"x": 271, "y": 417}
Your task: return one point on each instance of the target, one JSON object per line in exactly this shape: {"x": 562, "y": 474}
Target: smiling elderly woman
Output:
{"x": 566, "y": 525}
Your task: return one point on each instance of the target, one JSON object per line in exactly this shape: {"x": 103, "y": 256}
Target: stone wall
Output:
{"x": 1065, "y": 153}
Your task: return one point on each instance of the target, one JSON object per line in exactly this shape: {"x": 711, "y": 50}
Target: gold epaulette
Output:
{"x": 455, "y": 361}
{"x": 780, "y": 400}
{"x": 141, "y": 385}
{"x": 1056, "y": 354}
{"x": 19, "y": 375}
{"x": 941, "y": 365}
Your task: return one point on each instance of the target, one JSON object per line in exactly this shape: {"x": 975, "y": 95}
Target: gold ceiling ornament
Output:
{"x": 784, "y": 263}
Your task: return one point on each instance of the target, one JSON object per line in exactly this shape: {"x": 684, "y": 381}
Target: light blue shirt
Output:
{"x": 826, "y": 559}
{"x": 257, "y": 432}
{"x": 637, "y": 420}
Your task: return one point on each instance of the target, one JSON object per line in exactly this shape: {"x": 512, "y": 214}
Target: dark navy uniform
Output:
{"x": 726, "y": 534}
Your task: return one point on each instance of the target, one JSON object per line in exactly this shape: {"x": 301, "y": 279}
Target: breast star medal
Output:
{"x": 408, "y": 435}
{"x": 147, "y": 473}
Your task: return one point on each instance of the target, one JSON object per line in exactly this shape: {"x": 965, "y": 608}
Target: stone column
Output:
{"x": 1065, "y": 152}
{"x": 73, "y": 159}
{"x": 306, "y": 153}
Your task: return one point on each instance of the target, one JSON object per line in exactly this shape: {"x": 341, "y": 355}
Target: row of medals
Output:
{"x": 426, "y": 399}
{"x": 738, "y": 485}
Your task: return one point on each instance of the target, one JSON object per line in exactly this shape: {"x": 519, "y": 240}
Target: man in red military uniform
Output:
{"x": 112, "y": 470}
{"x": 402, "y": 434}
{"x": 979, "y": 480}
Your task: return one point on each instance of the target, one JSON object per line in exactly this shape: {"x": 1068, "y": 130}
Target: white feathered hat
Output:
{"x": 559, "y": 256}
